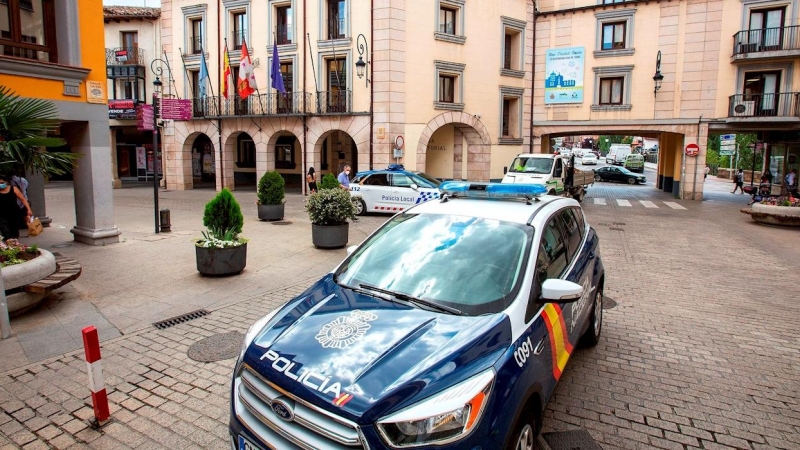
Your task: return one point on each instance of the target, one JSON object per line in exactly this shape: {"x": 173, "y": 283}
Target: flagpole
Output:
{"x": 260, "y": 103}
{"x": 185, "y": 72}
{"x": 169, "y": 74}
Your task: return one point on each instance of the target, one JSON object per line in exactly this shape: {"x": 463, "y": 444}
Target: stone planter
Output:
{"x": 19, "y": 275}
{"x": 787, "y": 216}
{"x": 330, "y": 236}
{"x": 221, "y": 261}
{"x": 270, "y": 212}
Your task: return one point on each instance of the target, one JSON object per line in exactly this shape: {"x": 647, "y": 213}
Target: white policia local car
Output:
{"x": 447, "y": 328}
{"x": 392, "y": 190}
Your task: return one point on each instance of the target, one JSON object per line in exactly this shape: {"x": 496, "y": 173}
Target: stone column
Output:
{"x": 94, "y": 202}
{"x": 36, "y": 197}
{"x": 116, "y": 183}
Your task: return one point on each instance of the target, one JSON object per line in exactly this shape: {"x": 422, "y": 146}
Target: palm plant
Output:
{"x": 24, "y": 123}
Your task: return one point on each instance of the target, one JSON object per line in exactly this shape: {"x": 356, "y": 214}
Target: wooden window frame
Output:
{"x": 612, "y": 26}
{"x": 443, "y": 26}
{"x": 609, "y": 83}
{"x": 15, "y": 32}
{"x": 442, "y": 87}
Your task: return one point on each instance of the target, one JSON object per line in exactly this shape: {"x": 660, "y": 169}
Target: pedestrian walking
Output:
{"x": 9, "y": 211}
{"x": 739, "y": 182}
{"x": 791, "y": 182}
{"x": 21, "y": 184}
{"x": 708, "y": 169}
{"x": 311, "y": 179}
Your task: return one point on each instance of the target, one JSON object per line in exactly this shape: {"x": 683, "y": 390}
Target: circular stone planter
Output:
{"x": 330, "y": 236}
{"x": 221, "y": 261}
{"x": 270, "y": 212}
{"x": 19, "y": 275}
{"x": 787, "y": 216}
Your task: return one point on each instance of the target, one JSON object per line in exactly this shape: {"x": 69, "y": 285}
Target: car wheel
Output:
{"x": 524, "y": 437}
{"x": 579, "y": 197}
{"x": 592, "y": 335}
{"x": 598, "y": 178}
{"x": 631, "y": 180}
{"x": 551, "y": 192}
{"x": 361, "y": 207}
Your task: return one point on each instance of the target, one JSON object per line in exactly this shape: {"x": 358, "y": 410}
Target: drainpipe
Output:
{"x": 533, "y": 76}
{"x": 372, "y": 83}
{"x": 305, "y": 115}
{"x": 219, "y": 80}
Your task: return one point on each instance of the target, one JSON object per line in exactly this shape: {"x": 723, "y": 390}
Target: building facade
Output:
{"x": 445, "y": 88}
{"x": 54, "y": 50}
{"x": 725, "y": 67}
{"x": 133, "y": 42}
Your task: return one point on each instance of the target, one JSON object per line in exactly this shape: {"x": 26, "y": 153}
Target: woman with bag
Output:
{"x": 9, "y": 211}
{"x": 311, "y": 179}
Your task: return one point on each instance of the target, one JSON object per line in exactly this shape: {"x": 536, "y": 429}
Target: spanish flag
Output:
{"x": 559, "y": 339}
{"x": 226, "y": 72}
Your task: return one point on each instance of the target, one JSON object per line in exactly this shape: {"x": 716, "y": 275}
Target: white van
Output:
{"x": 617, "y": 153}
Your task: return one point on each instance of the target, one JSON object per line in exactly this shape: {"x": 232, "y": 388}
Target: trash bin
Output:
{"x": 164, "y": 220}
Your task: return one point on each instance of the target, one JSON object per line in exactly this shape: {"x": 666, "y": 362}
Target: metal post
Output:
{"x": 5, "y": 322}
{"x": 155, "y": 158}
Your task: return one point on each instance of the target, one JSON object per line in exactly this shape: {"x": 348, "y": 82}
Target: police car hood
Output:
{"x": 362, "y": 357}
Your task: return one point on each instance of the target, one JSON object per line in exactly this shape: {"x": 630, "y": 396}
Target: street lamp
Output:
{"x": 657, "y": 78}
{"x": 157, "y": 85}
{"x": 363, "y": 48}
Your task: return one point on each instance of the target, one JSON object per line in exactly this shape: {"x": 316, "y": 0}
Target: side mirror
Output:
{"x": 351, "y": 249}
{"x": 414, "y": 186}
{"x": 562, "y": 291}
{"x": 505, "y": 170}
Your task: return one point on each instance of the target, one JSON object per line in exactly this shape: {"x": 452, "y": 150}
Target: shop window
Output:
{"x": 27, "y": 29}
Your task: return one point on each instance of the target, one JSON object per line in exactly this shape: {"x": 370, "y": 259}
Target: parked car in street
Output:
{"x": 391, "y": 190}
{"x": 449, "y": 328}
{"x": 621, "y": 174}
{"x": 634, "y": 162}
{"x": 588, "y": 158}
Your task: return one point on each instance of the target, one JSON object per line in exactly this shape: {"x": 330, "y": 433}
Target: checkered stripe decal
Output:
{"x": 425, "y": 196}
{"x": 389, "y": 208}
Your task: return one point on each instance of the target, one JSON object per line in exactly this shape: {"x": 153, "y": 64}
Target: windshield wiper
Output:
{"x": 412, "y": 299}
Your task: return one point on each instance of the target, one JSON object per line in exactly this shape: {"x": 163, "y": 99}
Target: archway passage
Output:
{"x": 243, "y": 149}
{"x": 287, "y": 155}
{"x": 455, "y": 145}
{"x": 204, "y": 175}
{"x": 334, "y": 150}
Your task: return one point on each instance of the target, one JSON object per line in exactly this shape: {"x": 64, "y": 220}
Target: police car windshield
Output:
{"x": 424, "y": 180}
{"x": 467, "y": 263}
{"x": 532, "y": 165}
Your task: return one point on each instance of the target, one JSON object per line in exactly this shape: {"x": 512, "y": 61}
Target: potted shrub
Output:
{"x": 221, "y": 251}
{"x": 329, "y": 210}
{"x": 328, "y": 181}
{"x": 270, "y": 196}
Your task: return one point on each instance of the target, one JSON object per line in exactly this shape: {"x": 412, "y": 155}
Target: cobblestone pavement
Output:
{"x": 701, "y": 351}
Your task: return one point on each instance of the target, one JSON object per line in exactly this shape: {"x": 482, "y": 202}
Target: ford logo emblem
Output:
{"x": 283, "y": 410}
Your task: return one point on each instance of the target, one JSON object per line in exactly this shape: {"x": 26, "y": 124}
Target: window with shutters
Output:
{"x": 449, "y": 21}
{"x": 510, "y": 115}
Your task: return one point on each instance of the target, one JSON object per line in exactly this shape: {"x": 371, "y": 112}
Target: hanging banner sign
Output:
{"x": 144, "y": 118}
{"x": 121, "y": 109}
{"x": 121, "y": 55}
{"x": 564, "y": 75}
{"x": 176, "y": 109}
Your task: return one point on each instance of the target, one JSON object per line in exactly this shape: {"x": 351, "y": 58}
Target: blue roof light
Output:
{"x": 491, "y": 190}
{"x": 396, "y": 167}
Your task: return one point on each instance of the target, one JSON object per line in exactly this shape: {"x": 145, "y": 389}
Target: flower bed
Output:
{"x": 784, "y": 211}
{"x": 14, "y": 252}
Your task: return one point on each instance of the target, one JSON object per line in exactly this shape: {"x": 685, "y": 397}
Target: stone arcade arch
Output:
{"x": 470, "y": 136}
{"x": 202, "y": 154}
{"x": 320, "y": 130}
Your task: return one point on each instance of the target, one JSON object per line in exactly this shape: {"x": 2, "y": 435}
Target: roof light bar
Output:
{"x": 491, "y": 190}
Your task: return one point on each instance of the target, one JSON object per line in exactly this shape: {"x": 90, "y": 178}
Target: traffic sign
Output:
{"x": 725, "y": 153}
{"x": 727, "y": 148}
{"x": 728, "y": 142}
{"x": 728, "y": 137}
{"x": 692, "y": 150}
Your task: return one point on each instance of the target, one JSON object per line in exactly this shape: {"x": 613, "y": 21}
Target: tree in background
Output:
{"x": 604, "y": 142}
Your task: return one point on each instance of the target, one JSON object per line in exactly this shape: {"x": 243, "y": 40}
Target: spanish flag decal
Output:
{"x": 342, "y": 399}
{"x": 559, "y": 340}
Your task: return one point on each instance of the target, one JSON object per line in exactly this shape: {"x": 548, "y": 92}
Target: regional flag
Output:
{"x": 277, "y": 77}
{"x": 247, "y": 80}
{"x": 226, "y": 72}
{"x": 203, "y": 78}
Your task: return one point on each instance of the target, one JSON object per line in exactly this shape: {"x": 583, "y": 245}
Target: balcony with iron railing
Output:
{"x": 781, "y": 42}
{"x": 125, "y": 56}
{"x": 275, "y": 104}
{"x": 196, "y": 45}
{"x": 768, "y": 106}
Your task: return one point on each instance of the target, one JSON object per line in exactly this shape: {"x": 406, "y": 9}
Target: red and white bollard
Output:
{"x": 97, "y": 384}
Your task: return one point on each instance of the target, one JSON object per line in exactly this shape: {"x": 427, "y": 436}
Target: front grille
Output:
{"x": 312, "y": 427}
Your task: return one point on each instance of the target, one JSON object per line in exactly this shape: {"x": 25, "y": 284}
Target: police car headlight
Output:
{"x": 445, "y": 417}
{"x": 254, "y": 330}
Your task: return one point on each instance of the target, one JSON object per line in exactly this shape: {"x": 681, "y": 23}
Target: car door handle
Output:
{"x": 539, "y": 347}
{"x": 591, "y": 255}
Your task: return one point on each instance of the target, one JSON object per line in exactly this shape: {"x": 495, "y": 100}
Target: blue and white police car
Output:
{"x": 447, "y": 328}
{"x": 392, "y": 190}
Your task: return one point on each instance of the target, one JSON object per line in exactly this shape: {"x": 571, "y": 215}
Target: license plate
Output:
{"x": 244, "y": 444}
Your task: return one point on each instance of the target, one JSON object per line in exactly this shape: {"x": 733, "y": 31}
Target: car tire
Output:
{"x": 579, "y": 196}
{"x": 631, "y": 180}
{"x": 598, "y": 178}
{"x": 361, "y": 207}
{"x": 525, "y": 432}
{"x": 591, "y": 337}
{"x": 551, "y": 192}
